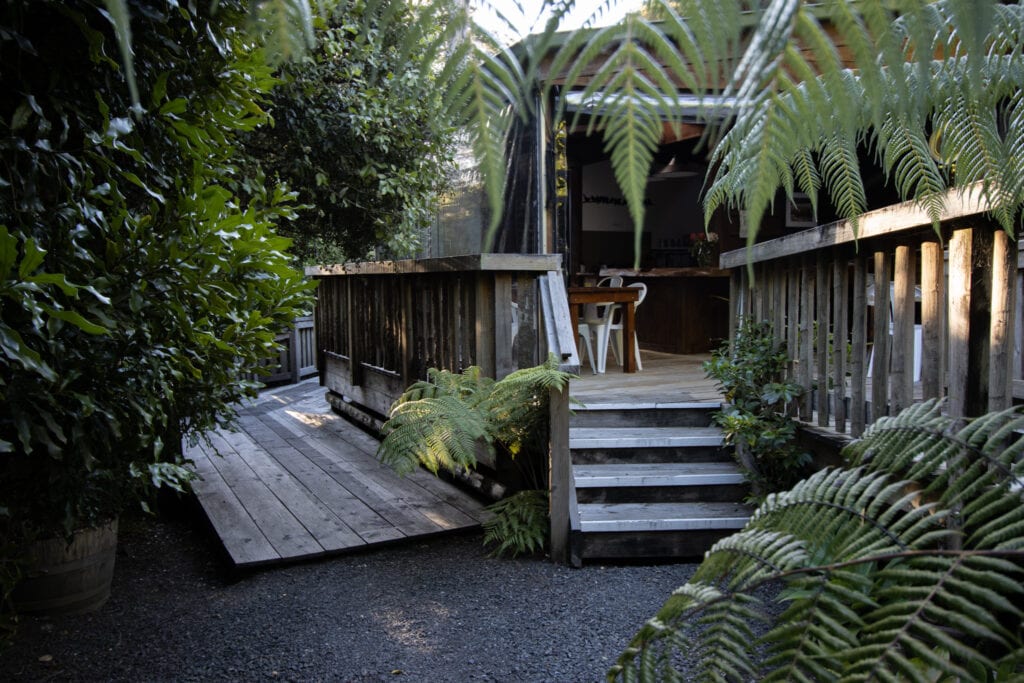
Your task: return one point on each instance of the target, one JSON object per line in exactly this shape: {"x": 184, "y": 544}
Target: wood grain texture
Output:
{"x": 297, "y": 481}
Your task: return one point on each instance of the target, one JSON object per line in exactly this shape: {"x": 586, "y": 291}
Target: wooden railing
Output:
{"x": 296, "y": 359}
{"x": 381, "y": 325}
{"x": 828, "y": 293}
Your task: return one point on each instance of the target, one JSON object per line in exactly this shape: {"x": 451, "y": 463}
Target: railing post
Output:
{"x": 1004, "y": 272}
{"x": 959, "y": 319}
{"x": 806, "y": 368}
{"x": 822, "y": 318}
{"x": 902, "y": 365}
{"x": 881, "y": 344}
{"x": 858, "y": 346}
{"x": 560, "y": 475}
{"x": 840, "y": 287}
{"x": 933, "y": 341}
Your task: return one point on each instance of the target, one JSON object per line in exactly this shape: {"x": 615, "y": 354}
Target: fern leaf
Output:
{"x": 518, "y": 524}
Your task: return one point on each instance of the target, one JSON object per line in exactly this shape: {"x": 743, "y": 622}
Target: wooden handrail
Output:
{"x": 933, "y": 325}
{"x": 908, "y": 216}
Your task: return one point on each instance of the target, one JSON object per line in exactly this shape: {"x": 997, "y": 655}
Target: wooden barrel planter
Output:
{"x": 65, "y": 578}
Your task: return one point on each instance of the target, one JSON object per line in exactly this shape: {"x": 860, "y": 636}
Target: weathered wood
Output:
{"x": 980, "y": 317}
{"x": 1004, "y": 272}
{"x": 735, "y": 303}
{"x": 560, "y": 475}
{"x": 958, "y": 203}
{"x": 449, "y": 264}
{"x": 503, "y": 363}
{"x": 882, "y": 342}
{"x": 485, "y": 317}
{"x": 297, "y": 481}
{"x": 793, "y": 329}
{"x": 901, "y": 366}
{"x": 823, "y": 291}
{"x": 959, "y": 319}
{"x": 378, "y": 390}
{"x": 805, "y": 373}
{"x": 858, "y": 347}
{"x": 933, "y": 342}
{"x": 840, "y": 285}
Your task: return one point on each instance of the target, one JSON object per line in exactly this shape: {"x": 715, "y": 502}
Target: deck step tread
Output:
{"x": 657, "y": 474}
{"x": 619, "y": 517}
{"x": 643, "y": 437}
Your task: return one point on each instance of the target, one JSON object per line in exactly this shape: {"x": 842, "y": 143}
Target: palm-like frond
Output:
{"x": 519, "y": 523}
{"x": 440, "y": 433}
{"x": 905, "y": 566}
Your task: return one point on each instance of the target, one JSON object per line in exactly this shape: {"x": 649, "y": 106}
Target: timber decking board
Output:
{"x": 297, "y": 481}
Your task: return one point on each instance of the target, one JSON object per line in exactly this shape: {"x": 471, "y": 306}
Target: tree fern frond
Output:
{"x": 906, "y": 157}
{"x": 518, "y": 524}
{"x": 840, "y": 170}
{"x": 439, "y": 433}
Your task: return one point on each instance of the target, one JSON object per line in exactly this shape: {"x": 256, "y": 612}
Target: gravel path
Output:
{"x": 433, "y": 610}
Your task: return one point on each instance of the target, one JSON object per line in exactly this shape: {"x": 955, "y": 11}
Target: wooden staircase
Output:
{"x": 651, "y": 480}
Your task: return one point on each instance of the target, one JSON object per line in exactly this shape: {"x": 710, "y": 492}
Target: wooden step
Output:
{"x": 636, "y": 517}
{"x": 676, "y": 482}
{"x": 643, "y": 437}
{"x": 657, "y": 474}
{"x": 613, "y": 414}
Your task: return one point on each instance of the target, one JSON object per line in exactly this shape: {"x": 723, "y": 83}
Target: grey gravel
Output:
{"x": 426, "y": 610}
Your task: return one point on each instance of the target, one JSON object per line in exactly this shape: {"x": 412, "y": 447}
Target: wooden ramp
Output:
{"x": 297, "y": 481}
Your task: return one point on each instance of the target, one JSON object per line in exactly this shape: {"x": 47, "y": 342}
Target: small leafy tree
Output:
{"x": 751, "y": 375}
{"x": 359, "y": 132}
{"x": 907, "y": 564}
{"x": 441, "y": 422}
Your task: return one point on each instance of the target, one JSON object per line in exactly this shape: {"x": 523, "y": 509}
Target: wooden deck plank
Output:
{"x": 383, "y": 481}
{"x": 366, "y": 522}
{"x": 284, "y": 531}
{"x": 242, "y": 538}
{"x": 331, "y": 532}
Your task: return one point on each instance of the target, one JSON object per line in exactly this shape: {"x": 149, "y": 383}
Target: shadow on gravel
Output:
{"x": 433, "y": 610}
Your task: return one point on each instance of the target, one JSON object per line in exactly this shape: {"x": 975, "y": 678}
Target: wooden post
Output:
{"x": 840, "y": 287}
{"x": 735, "y": 303}
{"x": 793, "y": 328}
{"x": 485, "y": 323}
{"x": 933, "y": 341}
{"x": 1004, "y": 275}
{"x": 560, "y": 474}
{"x": 806, "y": 372}
{"x": 901, "y": 367}
{"x": 821, "y": 344}
{"x": 981, "y": 318}
{"x": 858, "y": 343}
{"x": 880, "y": 347}
{"x": 959, "y": 319}
{"x": 503, "y": 361}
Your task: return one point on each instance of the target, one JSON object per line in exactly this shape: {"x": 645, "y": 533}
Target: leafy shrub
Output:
{"x": 751, "y": 376}
{"x": 138, "y": 291}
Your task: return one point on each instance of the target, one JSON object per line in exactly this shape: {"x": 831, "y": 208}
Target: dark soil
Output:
{"x": 428, "y": 610}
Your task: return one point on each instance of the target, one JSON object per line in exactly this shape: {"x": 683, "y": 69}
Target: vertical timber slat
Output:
{"x": 840, "y": 288}
{"x": 1004, "y": 271}
{"x": 959, "y": 319}
{"x": 823, "y": 291}
{"x": 881, "y": 342}
{"x": 858, "y": 347}
{"x": 902, "y": 363}
{"x": 932, "y": 320}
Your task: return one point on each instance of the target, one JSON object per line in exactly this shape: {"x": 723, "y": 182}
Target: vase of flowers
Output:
{"x": 704, "y": 248}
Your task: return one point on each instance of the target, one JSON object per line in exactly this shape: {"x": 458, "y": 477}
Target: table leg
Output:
{"x": 628, "y": 328}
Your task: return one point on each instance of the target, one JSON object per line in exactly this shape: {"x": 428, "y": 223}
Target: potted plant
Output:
{"x": 139, "y": 282}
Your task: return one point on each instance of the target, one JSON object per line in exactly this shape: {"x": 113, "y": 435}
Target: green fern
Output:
{"x": 906, "y": 565}
{"x": 518, "y": 524}
{"x": 440, "y": 423}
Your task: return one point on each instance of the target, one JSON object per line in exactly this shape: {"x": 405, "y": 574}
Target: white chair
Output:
{"x": 617, "y": 327}
{"x": 595, "y": 320}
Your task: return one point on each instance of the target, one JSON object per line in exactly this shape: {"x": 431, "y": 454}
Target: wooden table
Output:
{"x": 606, "y": 295}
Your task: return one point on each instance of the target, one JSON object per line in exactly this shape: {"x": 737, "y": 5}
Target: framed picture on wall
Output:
{"x": 800, "y": 212}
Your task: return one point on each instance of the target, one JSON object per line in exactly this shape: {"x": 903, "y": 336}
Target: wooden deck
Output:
{"x": 666, "y": 378}
{"x": 297, "y": 481}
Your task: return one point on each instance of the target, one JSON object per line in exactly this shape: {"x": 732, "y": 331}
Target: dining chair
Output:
{"x": 616, "y": 317}
{"x": 595, "y": 320}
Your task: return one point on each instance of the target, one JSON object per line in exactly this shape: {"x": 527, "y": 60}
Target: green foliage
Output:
{"x": 905, "y": 565}
{"x": 138, "y": 291}
{"x": 440, "y": 422}
{"x": 751, "y": 375}
{"x": 519, "y": 523}
{"x": 359, "y": 133}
